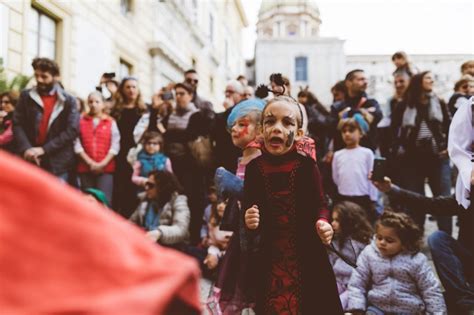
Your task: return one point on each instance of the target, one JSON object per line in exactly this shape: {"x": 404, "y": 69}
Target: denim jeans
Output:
{"x": 453, "y": 263}
{"x": 445, "y": 223}
{"x": 103, "y": 182}
{"x": 64, "y": 177}
{"x": 414, "y": 171}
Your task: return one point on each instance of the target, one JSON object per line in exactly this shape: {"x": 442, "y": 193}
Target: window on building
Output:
{"x": 125, "y": 69}
{"x": 42, "y": 32}
{"x": 301, "y": 69}
{"x": 125, "y": 6}
{"x": 292, "y": 30}
{"x": 211, "y": 28}
{"x": 268, "y": 32}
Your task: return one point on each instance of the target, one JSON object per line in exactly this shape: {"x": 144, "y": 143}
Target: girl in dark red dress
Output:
{"x": 287, "y": 222}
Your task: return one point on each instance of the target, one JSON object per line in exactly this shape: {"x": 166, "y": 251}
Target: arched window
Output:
{"x": 301, "y": 69}
{"x": 292, "y": 30}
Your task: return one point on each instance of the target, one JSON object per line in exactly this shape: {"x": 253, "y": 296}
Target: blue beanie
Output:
{"x": 244, "y": 108}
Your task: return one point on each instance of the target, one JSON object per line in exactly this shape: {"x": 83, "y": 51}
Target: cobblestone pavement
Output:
{"x": 430, "y": 227}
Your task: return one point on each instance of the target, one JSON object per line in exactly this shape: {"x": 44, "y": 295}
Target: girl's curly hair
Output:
{"x": 353, "y": 223}
{"x": 407, "y": 230}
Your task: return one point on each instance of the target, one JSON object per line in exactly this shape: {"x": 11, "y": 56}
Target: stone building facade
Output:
{"x": 288, "y": 41}
{"x": 154, "y": 40}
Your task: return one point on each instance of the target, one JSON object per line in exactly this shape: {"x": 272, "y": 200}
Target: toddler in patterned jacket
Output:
{"x": 392, "y": 275}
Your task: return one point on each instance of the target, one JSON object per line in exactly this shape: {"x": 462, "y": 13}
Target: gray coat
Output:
{"x": 63, "y": 129}
{"x": 401, "y": 284}
{"x": 174, "y": 220}
{"x": 351, "y": 249}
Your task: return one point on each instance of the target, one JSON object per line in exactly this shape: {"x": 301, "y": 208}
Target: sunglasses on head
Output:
{"x": 149, "y": 185}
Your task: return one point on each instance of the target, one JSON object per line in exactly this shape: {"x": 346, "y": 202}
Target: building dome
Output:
{"x": 288, "y": 19}
{"x": 267, "y": 5}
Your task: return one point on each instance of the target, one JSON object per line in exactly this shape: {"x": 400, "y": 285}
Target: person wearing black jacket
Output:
{"x": 357, "y": 101}
{"x": 46, "y": 122}
{"x": 419, "y": 130}
{"x": 453, "y": 259}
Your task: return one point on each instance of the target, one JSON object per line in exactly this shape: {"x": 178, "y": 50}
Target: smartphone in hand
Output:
{"x": 380, "y": 169}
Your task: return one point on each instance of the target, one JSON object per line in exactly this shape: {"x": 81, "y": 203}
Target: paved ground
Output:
{"x": 430, "y": 227}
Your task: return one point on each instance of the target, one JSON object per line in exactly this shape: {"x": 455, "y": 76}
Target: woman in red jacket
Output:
{"x": 97, "y": 145}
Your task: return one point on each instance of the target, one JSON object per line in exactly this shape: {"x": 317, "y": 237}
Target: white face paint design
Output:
{"x": 280, "y": 127}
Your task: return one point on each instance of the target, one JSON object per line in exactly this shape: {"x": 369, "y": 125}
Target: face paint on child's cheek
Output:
{"x": 291, "y": 139}
{"x": 244, "y": 132}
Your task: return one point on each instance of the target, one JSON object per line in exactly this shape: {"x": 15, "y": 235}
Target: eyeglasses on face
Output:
{"x": 152, "y": 143}
{"x": 5, "y": 102}
{"x": 189, "y": 80}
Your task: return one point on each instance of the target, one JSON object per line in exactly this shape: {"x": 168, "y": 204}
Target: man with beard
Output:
{"x": 46, "y": 120}
{"x": 356, "y": 101}
{"x": 192, "y": 78}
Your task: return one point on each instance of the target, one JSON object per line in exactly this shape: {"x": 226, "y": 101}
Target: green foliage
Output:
{"x": 18, "y": 83}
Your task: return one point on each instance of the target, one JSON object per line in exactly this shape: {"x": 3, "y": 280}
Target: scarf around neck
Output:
{"x": 434, "y": 112}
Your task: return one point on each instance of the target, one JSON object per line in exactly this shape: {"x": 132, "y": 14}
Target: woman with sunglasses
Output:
{"x": 7, "y": 106}
{"x": 164, "y": 211}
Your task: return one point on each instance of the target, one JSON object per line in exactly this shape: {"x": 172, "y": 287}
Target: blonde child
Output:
{"x": 243, "y": 124}
{"x": 286, "y": 221}
{"x": 150, "y": 158}
{"x": 392, "y": 275}
{"x": 352, "y": 232}
{"x": 97, "y": 145}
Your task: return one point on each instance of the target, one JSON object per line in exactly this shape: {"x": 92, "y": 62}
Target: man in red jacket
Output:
{"x": 61, "y": 254}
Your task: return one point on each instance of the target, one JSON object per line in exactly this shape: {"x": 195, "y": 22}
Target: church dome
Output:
{"x": 288, "y": 19}
{"x": 268, "y": 5}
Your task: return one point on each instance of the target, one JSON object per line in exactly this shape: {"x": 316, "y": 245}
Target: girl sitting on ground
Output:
{"x": 352, "y": 232}
{"x": 392, "y": 275}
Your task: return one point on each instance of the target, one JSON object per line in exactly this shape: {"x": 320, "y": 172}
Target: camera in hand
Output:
{"x": 379, "y": 170}
{"x": 109, "y": 75}
{"x": 167, "y": 95}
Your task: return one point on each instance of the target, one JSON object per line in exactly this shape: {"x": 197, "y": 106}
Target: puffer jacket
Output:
{"x": 174, "y": 220}
{"x": 351, "y": 249}
{"x": 404, "y": 283}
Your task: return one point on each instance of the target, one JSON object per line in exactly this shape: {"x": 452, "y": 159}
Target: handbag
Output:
{"x": 201, "y": 150}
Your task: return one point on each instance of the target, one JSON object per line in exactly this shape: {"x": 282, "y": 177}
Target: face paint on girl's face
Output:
{"x": 291, "y": 139}
{"x": 243, "y": 131}
{"x": 280, "y": 127}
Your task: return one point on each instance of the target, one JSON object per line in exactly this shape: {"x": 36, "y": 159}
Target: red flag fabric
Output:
{"x": 62, "y": 254}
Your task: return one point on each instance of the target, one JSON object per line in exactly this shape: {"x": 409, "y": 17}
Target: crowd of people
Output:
{"x": 273, "y": 196}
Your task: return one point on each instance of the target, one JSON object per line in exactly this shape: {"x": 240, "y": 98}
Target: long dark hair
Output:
{"x": 120, "y": 99}
{"x": 415, "y": 92}
{"x": 167, "y": 184}
{"x": 353, "y": 223}
{"x": 313, "y": 101}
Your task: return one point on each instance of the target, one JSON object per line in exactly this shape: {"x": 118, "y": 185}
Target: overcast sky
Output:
{"x": 385, "y": 26}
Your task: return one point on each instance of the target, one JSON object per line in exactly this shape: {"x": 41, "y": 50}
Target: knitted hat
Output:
{"x": 244, "y": 108}
{"x": 98, "y": 195}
